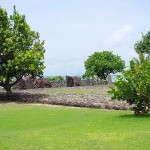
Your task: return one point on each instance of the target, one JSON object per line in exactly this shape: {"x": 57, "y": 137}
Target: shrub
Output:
{"x": 134, "y": 86}
{"x": 56, "y": 78}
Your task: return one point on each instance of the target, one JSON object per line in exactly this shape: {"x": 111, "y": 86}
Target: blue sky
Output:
{"x": 75, "y": 29}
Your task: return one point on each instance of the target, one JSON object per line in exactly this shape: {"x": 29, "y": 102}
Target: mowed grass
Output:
{"x": 30, "y": 127}
{"x": 73, "y": 91}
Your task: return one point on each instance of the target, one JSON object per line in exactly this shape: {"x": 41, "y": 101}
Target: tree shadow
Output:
{"x": 22, "y": 97}
{"x": 128, "y": 116}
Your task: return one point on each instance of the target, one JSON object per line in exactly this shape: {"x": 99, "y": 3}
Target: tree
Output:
{"x": 21, "y": 51}
{"x": 102, "y": 64}
{"x": 143, "y": 46}
{"x": 134, "y": 86}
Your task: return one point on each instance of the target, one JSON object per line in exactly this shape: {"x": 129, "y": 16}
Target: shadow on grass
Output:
{"x": 128, "y": 116}
{"x": 21, "y": 97}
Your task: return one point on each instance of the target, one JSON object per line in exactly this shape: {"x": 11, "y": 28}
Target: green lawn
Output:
{"x": 74, "y": 91}
{"x": 27, "y": 127}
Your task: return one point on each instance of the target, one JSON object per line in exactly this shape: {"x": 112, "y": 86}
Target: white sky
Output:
{"x": 75, "y": 29}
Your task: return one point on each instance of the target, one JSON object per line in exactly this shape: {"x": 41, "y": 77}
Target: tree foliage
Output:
{"x": 143, "y": 46}
{"x": 102, "y": 64}
{"x": 134, "y": 86}
{"x": 21, "y": 51}
{"x": 56, "y": 78}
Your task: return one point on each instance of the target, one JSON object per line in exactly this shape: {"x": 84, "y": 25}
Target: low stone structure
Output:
{"x": 91, "y": 97}
{"x": 25, "y": 83}
{"x": 29, "y": 82}
{"x": 56, "y": 84}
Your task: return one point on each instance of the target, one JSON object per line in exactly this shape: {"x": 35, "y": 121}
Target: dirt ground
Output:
{"x": 86, "y": 96}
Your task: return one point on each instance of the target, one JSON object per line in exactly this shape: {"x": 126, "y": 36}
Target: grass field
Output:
{"x": 74, "y": 91}
{"x": 30, "y": 127}
{"x": 98, "y": 90}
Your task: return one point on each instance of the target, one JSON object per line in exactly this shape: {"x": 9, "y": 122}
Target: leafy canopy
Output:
{"x": 21, "y": 51}
{"x": 102, "y": 64}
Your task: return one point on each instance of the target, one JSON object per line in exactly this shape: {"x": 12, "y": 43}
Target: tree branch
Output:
{"x": 15, "y": 81}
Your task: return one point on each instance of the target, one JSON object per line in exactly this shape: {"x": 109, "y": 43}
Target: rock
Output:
{"x": 69, "y": 81}
{"x": 43, "y": 83}
{"x": 77, "y": 81}
{"x": 45, "y": 101}
{"x": 22, "y": 84}
{"x": 108, "y": 79}
{"x": 26, "y": 83}
{"x": 29, "y": 82}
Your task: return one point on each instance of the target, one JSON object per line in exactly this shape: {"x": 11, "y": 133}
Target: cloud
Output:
{"x": 64, "y": 66}
{"x": 133, "y": 54}
{"x": 120, "y": 36}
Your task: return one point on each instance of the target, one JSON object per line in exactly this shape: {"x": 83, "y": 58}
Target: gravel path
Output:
{"x": 87, "y": 96}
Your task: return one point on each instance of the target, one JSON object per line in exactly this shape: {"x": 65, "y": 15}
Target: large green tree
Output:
{"x": 21, "y": 51}
{"x": 143, "y": 46}
{"x": 102, "y": 64}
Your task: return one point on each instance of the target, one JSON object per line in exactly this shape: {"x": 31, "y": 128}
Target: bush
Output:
{"x": 134, "y": 86}
{"x": 56, "y": 78}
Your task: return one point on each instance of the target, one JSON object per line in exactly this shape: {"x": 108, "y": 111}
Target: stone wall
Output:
{"x": 29, "y": 83}
{"x": 86, "y": 82}
{"x": 56, "y": 84}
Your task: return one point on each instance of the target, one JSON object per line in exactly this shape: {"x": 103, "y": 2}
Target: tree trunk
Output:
{"x": 8, "y": 90}
{"x": 108, "y": 79}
